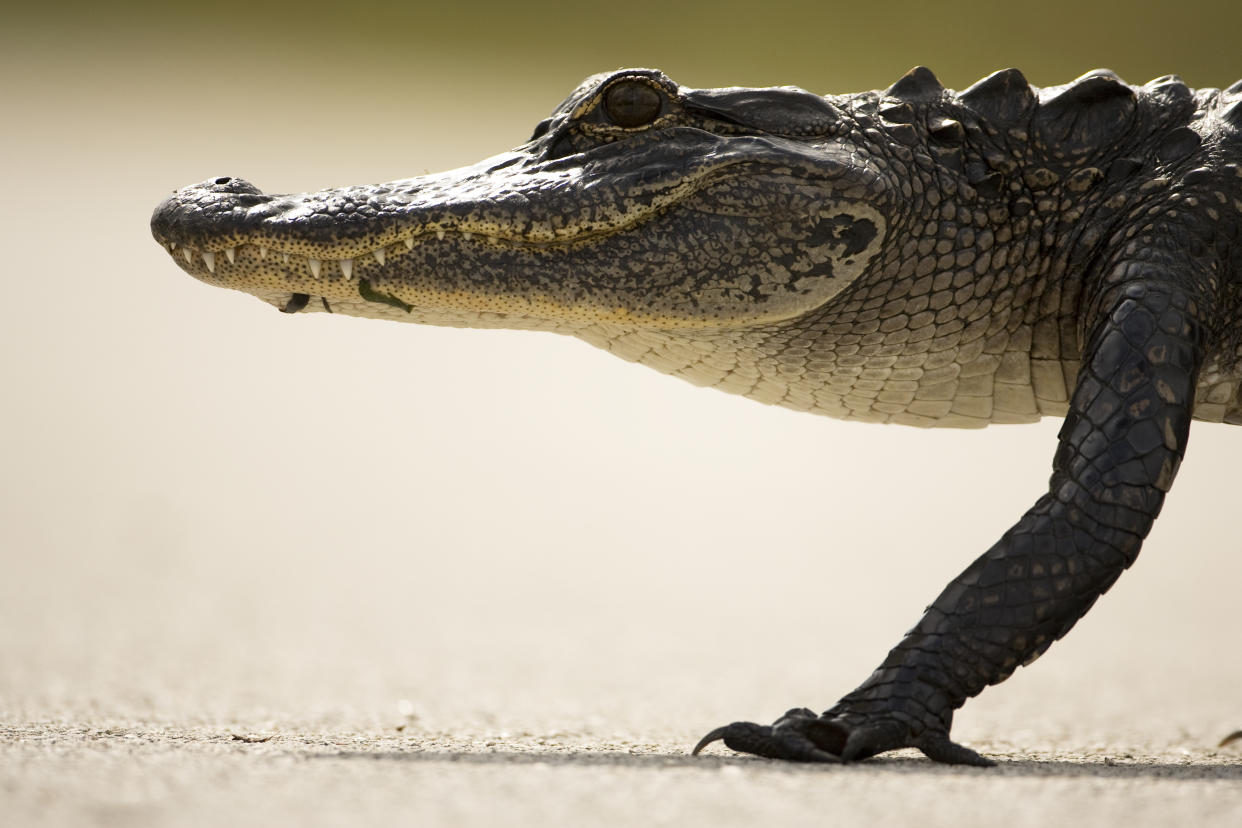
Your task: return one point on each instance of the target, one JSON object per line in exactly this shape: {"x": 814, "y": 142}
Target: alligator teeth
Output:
{"x": 185, "y": 254}
{"x": 314, "y": 266}
{"x": 347, "y": 268}
{"x": 209, "y": 259}
{"x": 440, "y": 235}
{"x": 231, "y": 254}
{"x": 409, "y": 243}
{"x": 467, "y": 235}
{"x": 379, "y": 255}
{"x": 285, "y": 257}
{"x": 172, "y": 246}
{"x": 262, "y": 252}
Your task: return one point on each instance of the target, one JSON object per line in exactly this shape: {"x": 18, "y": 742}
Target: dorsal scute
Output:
{"x": 778, "y": 110}
{"x": 1095, "y": 128}
{"x": 1172, "y": 93}
{"x": 1095, "y": 110}
{"x": 1178, "y": 145}
{"x": 946, "y": 130}
{"x": 1165, "y": 80}
{"x": 897, "y": 113}
{"x": 1232, "y": 114}
{"x": 919, "y": 84}
{"x": 1002, "y": 97}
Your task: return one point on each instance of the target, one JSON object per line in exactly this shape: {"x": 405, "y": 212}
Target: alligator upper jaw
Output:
{"x": 515, "y": 240}
{"x": 512, "y": 197}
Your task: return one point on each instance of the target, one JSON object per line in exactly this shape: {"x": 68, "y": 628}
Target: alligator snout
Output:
{"x": 180, "y": 216}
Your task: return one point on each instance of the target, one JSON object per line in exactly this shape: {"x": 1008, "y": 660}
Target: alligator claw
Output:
{"x": 801, "y": 736}
{"x": 798, "y": 736}
{"x": 767, "y": 741}
{"x": 715, "y": 736}
{"x": 1228, "y": 740}
{"x": 951, "y": 753}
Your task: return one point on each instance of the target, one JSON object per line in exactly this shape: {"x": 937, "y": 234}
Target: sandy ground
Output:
{"x": 257, "y": 570}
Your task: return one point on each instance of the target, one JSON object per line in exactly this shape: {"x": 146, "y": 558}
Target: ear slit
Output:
{"x": 778, "y": 110}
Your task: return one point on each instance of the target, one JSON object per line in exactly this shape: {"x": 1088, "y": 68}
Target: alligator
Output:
{"x": 914, "y": 255}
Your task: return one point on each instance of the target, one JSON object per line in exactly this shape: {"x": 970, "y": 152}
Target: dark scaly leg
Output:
{"x": 1119, "y": 450}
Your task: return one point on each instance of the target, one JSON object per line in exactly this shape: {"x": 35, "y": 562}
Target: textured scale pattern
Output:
{"x": 974, "y": 319}
{"x": 912, "y": 256}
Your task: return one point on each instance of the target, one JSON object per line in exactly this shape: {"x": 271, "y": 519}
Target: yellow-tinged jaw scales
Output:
{"x": 647, "y": 209}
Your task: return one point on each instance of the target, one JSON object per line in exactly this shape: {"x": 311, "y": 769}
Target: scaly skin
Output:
{"x": 911, "y": 256}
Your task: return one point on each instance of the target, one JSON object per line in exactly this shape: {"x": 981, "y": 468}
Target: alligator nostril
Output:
{"x": 227, "y": 185}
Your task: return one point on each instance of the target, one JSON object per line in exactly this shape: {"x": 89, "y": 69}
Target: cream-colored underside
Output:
{"x": 986, "y": 381}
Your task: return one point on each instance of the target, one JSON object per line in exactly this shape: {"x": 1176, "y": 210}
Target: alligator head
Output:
{"x": 638, "y": 204}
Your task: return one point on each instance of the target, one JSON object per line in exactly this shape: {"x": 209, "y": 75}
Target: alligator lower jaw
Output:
{"x": 359, "y": 286}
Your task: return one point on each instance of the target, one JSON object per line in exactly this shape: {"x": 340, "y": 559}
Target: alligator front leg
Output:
{"x": 1119, "y": 450}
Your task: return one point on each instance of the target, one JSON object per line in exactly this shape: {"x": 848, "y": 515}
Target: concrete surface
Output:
{"x": 76, "y": 775}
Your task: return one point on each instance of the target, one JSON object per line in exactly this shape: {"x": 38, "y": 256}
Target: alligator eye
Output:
{"x": 632, "y": 103}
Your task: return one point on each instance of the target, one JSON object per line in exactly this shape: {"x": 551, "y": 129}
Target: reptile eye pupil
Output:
{"x": 632, "y": 104}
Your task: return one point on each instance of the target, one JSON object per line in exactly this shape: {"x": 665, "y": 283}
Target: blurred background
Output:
{"x": 211, "y": 513}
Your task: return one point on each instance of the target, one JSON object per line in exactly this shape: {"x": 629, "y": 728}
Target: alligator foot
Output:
{"x": 802, "y": 736}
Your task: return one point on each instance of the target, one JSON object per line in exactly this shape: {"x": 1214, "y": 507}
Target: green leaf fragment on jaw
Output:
{"x": 372, "y": 295}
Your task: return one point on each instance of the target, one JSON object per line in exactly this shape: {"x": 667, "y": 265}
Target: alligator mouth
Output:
{"x": 269, "y": 227}
{"x": 282, "y": 273}
{"x": 209, "y": 259}
{"x": 206, "y": 261}
{"x": 599, "y": 236}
